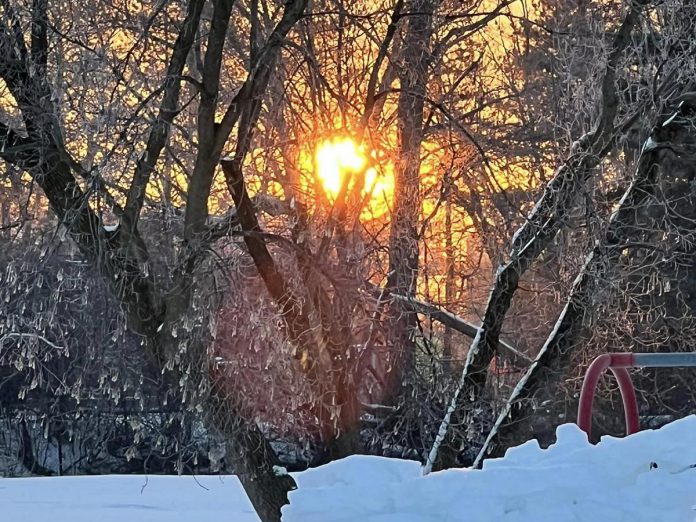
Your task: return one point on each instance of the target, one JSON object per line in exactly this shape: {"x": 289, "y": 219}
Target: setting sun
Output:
{"x": 336, "y": 159}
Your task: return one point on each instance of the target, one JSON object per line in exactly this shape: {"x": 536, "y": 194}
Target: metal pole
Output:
{"x": 664, "y": 360}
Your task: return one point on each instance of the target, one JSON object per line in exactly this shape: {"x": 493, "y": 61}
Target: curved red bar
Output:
{"x": 628, "y": 395}
{"x": 594, "y": 372}
{"x": 617, "y": 363}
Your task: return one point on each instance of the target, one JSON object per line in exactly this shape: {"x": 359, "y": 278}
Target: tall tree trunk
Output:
{"x": 403, "y": 240}
{"x": 447, "y": 346}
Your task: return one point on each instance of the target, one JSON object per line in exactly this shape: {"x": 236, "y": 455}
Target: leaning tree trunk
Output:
{"x": 253, "y": 459}
{"x": 667, "y": 155}
{"x": 321, "y": 357}
{"x": 538, "y": 231}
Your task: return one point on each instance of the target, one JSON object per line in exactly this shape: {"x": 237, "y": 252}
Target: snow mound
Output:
{"x": 649, "y": 476}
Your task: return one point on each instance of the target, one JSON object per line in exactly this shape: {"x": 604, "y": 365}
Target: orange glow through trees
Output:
{"x": 340, "y": 160}
{"x": 336, "y": 159}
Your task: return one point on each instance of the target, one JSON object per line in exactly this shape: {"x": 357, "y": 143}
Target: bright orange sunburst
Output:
{"x": 335, "y": 160}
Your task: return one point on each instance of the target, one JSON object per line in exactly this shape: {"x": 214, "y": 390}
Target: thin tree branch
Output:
{"x": 461, "y": 325}
{"x": 159, "y": 132}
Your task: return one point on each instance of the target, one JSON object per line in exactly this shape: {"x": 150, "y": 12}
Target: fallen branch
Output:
{"x": 462, "y": 326}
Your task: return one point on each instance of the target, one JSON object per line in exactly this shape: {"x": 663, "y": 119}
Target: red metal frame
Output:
{"x": 619, "y": 363}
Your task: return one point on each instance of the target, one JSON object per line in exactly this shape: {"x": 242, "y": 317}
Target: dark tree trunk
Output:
{"x": 252, "y": 458}
{"x": 404, "y": 237}
{"x": 26, "y": 453}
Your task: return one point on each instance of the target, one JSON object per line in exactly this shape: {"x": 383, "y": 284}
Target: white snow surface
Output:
{"x": 125, "y": 498}
{"x": 572, "y": 480}
{"x": 649, "y": 476}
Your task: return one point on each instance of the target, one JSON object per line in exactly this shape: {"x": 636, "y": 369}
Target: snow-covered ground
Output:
{"x": 650, "y": 476}
{"x": 124, "y": 498}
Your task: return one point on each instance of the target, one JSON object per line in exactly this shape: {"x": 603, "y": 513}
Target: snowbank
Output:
{"x": 650, "y": 476}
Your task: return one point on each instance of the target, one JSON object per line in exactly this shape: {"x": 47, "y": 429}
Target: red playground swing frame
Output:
{"x": 619, "y": 363}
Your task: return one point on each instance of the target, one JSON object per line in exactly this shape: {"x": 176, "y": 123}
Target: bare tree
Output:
{"x": 157, "y": 309}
